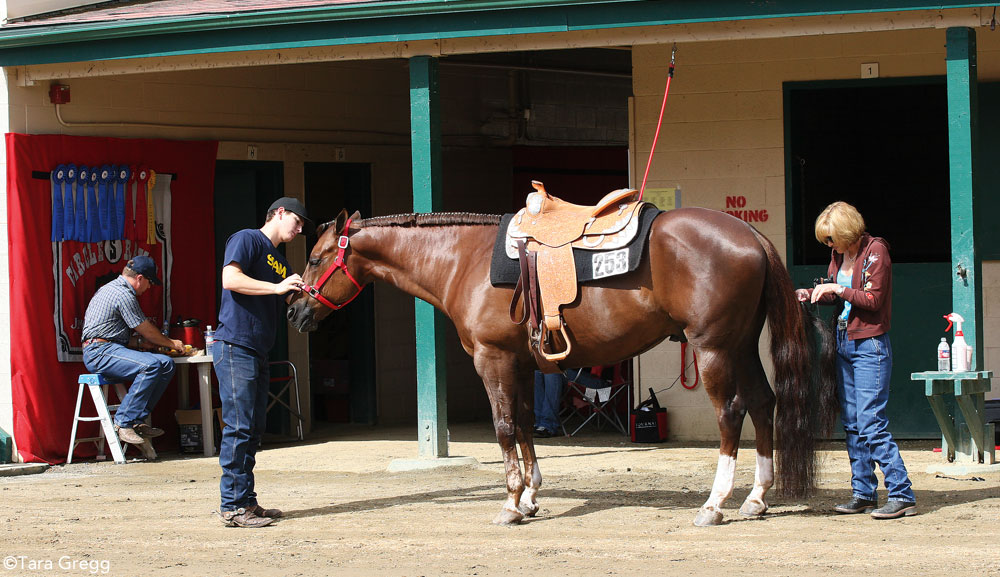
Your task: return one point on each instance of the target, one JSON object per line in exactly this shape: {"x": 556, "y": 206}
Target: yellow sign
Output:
{"x": 664, "y": 198}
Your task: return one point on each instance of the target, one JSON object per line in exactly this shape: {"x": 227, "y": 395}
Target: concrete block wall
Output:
{"x": 722, "y": 137}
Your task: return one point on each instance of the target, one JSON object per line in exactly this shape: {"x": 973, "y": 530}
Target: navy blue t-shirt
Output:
{"x": 251, "y": 320}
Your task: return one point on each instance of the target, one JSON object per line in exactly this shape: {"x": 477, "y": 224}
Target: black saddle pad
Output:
{"x": 505, "y": 271}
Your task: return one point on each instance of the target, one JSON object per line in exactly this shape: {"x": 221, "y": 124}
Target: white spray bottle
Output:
{"x": 959, "y": 360}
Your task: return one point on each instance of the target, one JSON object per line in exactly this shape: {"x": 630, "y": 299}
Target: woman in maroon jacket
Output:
{"x": 861, "y": 274}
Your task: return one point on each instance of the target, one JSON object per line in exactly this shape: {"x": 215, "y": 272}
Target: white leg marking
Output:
{"x": 722, "y": 488}
{"x": 763, "y": 480}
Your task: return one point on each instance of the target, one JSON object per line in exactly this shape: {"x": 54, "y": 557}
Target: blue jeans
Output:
{"x": 149, "y": 374}
{"x": 864, "y": 368}
{"x": 548, "y": 393}
{"x": 244, "y": 379}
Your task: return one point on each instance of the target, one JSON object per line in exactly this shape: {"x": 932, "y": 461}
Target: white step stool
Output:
{"x": 98, "y": 387}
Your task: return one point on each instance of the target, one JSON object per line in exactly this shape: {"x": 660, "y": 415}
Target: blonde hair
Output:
{"x": 841, "y": 223}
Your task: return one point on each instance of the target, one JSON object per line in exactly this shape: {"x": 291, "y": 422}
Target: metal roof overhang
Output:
{"x": 395, "y": 22}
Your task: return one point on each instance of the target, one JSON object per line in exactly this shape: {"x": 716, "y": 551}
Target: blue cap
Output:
{"x": 145, "y": 266}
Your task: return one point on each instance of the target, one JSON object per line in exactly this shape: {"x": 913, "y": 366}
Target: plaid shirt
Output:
{"x": 113, "y": 313}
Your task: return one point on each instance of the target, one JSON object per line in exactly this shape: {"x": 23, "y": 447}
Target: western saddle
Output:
{"x": 542, "y": 236}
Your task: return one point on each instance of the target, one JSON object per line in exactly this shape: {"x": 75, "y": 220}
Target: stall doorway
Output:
{"x": 883, "y": 147}
{"x": 342, "y": 349}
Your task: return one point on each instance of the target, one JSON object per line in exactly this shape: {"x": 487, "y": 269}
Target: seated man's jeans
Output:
{"x": 244, "y": 380}
{"x": 548, "y": 394}
{"x": 149, "y": 374}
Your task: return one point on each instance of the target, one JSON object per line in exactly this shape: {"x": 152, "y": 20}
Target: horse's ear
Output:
{"x": 321, "y": 228}
{"x": 356, "y": 216}
{"x": 341, "y": 220}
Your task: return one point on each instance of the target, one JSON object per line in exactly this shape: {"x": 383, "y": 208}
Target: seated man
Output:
{"x": 108, "y": 348}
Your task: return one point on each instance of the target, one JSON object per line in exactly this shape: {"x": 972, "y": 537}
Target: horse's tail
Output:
{"x": 791, "y": 355}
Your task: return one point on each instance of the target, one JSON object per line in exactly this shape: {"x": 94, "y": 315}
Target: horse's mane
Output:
{"x": 432, "y": 219}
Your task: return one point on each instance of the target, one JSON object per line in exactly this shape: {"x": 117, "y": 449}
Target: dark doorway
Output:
{"x": 882, "y": 146}
{"x": 342, "y": 349}
{"x": 578, "y": 174}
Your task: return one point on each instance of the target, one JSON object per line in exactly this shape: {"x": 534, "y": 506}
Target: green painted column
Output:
{"x": 967, "y": 284}
{"x": 425, "y": 144}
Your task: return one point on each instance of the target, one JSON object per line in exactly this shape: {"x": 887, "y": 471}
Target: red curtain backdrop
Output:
{"x": 44, "y": 390}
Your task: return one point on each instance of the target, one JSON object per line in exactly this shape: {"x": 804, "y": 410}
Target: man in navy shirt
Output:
{"x": 108, "y": 347}
{"x": 256, "y": 282}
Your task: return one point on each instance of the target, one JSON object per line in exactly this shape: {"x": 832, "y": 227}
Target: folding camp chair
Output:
{"x": 588, "y": 397}
{"x": 290, "y": 381}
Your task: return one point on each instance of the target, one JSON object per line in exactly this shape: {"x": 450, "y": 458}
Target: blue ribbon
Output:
{"x": 104, "y": 202}
{"x": 55, "y": 177}
{"x": 124, "y": 174}
{"x": 89, "y": 180}
{"x": 79, "y": 203}
{"x": 69, "y": 205}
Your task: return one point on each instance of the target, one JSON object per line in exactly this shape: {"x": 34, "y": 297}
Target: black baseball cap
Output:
{"x": 145, "y": 266}
{"x": 292, "y": 205}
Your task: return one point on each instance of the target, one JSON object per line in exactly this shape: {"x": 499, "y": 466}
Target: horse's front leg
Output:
{"x": 528, "y": 504}
{"x": 502, "y": 388}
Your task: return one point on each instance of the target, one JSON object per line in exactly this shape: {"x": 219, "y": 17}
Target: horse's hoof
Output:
{"x": 753, "y": 508}
{"x": 708, "y": 518}
{"x": 505, "y": 517}
{"x": 528, "y": 509}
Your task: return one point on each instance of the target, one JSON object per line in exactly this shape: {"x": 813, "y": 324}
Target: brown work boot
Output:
{"x": 146, "y": 431}
{"x": 129, "y": 435}
{"x": 262, "y": 512}
{"x": 244, "y": 518}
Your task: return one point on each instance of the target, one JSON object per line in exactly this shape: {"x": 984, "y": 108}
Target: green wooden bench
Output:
{"x": 969, "y": 388}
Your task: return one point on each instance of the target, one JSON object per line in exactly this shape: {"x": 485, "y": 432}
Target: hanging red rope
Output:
{"x": 659, "y": 123}
{"x": 694, "y": 359}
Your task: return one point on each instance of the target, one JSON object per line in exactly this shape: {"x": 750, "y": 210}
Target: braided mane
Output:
{"x": 427, "y": 219}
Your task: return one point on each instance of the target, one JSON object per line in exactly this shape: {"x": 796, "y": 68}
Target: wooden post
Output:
{"x": 967, "y": 285}
{"x": 425, "y": 144}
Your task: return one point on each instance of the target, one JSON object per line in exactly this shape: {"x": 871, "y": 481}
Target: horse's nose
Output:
{"x": 291, "y": 313}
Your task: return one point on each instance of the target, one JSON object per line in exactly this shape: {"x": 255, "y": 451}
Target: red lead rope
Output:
{"x": 656, "y": 136}
{"x": 339, "y": 264}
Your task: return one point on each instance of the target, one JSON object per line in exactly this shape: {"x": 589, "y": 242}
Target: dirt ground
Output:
{"x": 608, "y": 507}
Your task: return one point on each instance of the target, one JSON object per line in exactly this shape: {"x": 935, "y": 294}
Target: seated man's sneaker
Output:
{"x": 856, "y": 506}
{"x": 129, "y": 436}
{"x": 245, "y": 518}
{"x": 147, "y": 432}
{"x": 262, "y": 512}
{"x": 895, "y": 510}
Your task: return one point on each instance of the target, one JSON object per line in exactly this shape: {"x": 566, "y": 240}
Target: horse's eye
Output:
{"x": 315, "y": 261}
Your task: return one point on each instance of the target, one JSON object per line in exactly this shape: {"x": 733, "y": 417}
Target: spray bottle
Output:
{"x": 959, "y": 360}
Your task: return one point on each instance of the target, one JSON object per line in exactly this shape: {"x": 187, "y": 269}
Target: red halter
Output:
{"x": 339, "y": 264}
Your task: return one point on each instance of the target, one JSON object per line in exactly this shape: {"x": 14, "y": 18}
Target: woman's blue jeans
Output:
{"x": 149, "y": 374}
{"x": 244, "y": 380}
{"x": 864, "y": 368}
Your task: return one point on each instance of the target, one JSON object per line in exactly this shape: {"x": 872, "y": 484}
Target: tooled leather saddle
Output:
{"x": 542, "y": 236}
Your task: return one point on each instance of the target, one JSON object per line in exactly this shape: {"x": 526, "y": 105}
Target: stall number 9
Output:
{"x": 610, "y": 263}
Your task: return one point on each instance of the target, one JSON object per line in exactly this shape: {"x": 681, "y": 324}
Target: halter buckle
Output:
{"x": 342, "y": 242}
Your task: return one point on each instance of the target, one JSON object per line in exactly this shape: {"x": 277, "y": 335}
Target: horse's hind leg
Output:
{"x": 760, "y": 404}
{"x": 503, "y": 389}
{"x": 719, "y": 379}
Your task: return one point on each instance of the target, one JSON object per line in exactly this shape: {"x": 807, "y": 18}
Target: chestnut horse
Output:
{"x": 707, "y": 278}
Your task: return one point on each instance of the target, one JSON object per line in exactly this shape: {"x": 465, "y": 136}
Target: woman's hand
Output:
{"x": 824, "y": 289}
{"x": 802, "y": 295}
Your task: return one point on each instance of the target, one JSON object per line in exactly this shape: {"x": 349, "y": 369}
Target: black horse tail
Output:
{"x": 797, "y": 404}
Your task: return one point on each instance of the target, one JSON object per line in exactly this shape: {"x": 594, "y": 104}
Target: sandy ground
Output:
{"x": 608, "y": 507}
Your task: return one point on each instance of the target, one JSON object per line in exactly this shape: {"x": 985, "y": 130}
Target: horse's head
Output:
{"x": 330, "y": 277}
